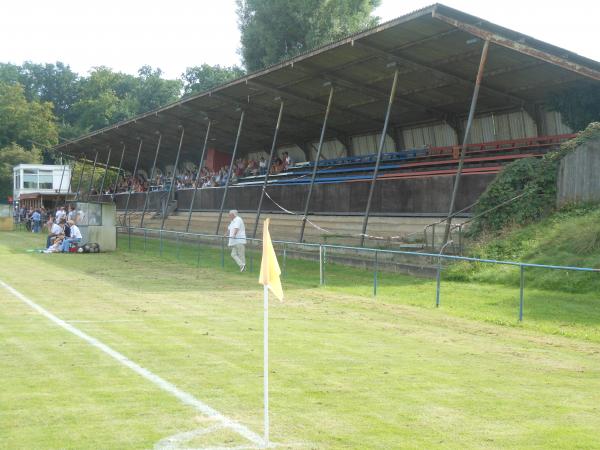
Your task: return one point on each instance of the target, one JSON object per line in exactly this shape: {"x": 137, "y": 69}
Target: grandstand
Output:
{"x": 382, "y": 114}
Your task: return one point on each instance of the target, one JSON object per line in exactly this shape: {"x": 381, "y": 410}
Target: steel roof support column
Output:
{"x": 378, "y": 161}
{"x": 62, "y": 175}
{"x": 105, "y": 171}
{"x": 235, "y": 147}
{"x": 187, "y": 227}
{"x": 83, "y": 160}
{"x": 146, "y": 199}
{"x": 119, "y": 171}
{"x": 266, "y": 180}
{"x": 166, "y": 207}
{"x": 316, "y": 164}
{"x": 92, "y": 178}
{"x": 137, "y": 159}
{"x": 463, "y": 151}
{"x": 70, "y": 188}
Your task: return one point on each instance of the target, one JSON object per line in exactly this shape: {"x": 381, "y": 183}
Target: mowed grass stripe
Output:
{"x": 58, "y": 392}
{"x": 348, "y": 372}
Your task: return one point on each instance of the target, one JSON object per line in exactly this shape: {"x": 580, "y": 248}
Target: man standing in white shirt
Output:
{"x": 60, "y": 213}
{"x": 237, "y": 239}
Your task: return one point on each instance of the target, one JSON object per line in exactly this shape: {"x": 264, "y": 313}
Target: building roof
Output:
{"x": 436, "y": 50}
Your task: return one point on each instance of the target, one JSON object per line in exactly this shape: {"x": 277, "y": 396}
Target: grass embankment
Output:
{"x": 569, "y": 237}
{"x": 348, "y": 371}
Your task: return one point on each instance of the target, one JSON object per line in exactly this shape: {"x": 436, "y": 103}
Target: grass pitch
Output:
{"x": 348, "y": 370}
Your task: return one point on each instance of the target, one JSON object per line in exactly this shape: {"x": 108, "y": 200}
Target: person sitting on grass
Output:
{"x": 56, "y": 245}
{"x": 75, "y": 236}
{"x": 55, "y": 231}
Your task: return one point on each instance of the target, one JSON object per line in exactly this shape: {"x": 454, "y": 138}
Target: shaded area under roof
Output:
{"x": 436, "y": 50}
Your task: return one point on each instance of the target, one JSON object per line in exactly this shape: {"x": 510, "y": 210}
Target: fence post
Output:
{"x": 222, "y": 251}
{"x": 522, "y": 288}
{"x": 375, "y": 275}
{"x": 437, "y": 289}
{"x": 198, "y": 260}
{"x": 284, "y": 259}
{"x": 251, "y": 261}
{"x": 321, "y": 274}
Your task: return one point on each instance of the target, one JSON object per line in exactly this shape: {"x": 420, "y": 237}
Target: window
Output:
{"x": 30, "y": 179}
{"x": 45, "y": 179}
{"x": 18, "y": 180}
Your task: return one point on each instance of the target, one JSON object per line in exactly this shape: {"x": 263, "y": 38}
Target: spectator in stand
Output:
{"x": 287, "y": 160}
{"x": 277, "y": 166}
{"x": 262, "y": 166}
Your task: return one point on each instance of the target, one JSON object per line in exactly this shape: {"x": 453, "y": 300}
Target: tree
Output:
{"x": 273, "y": 30}
{"x": 578, "y": 106}
{"x": 54, "y": 83}
{"x": 106, "y": 97}
{"x": 10, "y": 156}
{"x": 202, "y": 78}
{"x": 23, "y": 122}
{"x": 153, "y": 91}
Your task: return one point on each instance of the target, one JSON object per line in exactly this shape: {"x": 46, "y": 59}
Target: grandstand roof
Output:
{"x": 436, "y": 50}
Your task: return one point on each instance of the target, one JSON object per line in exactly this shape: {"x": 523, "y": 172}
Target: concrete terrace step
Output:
{"x": 340, "y": 229}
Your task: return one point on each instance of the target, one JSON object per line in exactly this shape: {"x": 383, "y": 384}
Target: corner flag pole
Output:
{"x": 269, "y": 278}
{"x": 266, "y": 364}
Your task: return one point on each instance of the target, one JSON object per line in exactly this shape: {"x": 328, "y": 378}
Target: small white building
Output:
{"x": 37, "y": 185}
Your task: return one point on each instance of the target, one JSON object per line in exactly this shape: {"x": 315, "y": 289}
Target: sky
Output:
{"x": 176, "y": 34}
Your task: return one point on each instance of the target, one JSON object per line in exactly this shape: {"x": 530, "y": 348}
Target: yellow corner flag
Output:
{"x": 269, "y": 267}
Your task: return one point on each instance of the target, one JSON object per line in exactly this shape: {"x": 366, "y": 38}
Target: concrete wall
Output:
{"x": 579, "y": 175}
{"x": 408, "y": 196}
{"x": 105, "y": 235}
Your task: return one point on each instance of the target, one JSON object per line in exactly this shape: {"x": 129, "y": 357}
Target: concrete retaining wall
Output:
{"x": 422, "y": 195}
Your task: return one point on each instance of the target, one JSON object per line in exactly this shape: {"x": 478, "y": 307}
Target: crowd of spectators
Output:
{"x": 61, "y": 225}
{"x": 189, "y": 179}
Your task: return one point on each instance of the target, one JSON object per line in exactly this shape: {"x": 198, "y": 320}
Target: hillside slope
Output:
{"x": 570, "y": 236}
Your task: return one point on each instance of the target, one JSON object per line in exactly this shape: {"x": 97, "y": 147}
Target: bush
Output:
{"x": 534, "y": 177}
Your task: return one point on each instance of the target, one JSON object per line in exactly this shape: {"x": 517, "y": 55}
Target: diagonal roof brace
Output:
{"x": 438, "y": 72}
{"x": 519, "y": 47}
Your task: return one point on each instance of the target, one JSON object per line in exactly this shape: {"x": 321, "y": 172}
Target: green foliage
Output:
{"x": 578, "y": 106}
{"x": 54, "y": 83}
{"x": 534, "y": 177}
{"x": 86, "y": 178}
{"x": 10, "y": 156}
{"x": 570, "y": 236}
{"x": 153, "y": 91}
{"x": 202, "y": 78}
{"x": 25, "y": 122}
{"x": 276, "y": 30}
{"x": 107, "y": 97}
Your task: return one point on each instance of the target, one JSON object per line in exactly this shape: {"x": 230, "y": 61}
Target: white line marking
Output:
{"x": 183, "y": 396}
{"x": 104, "y": 321}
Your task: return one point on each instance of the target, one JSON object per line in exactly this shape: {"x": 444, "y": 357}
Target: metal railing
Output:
{"x": 434, "y": 259}
{"x": 458, "y": 247}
